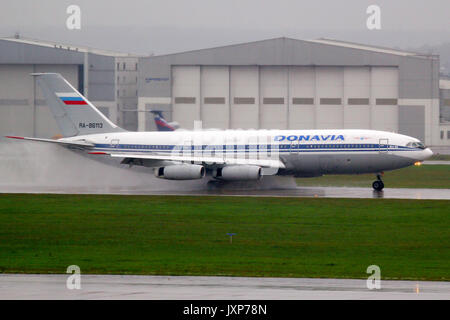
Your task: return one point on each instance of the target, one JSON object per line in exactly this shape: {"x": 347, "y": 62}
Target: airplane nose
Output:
{"x": 427, "y": 153}
{"x": 424, "y": 154}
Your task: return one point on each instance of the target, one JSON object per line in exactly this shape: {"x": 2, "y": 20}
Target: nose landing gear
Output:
{"x": 378, "y": 184}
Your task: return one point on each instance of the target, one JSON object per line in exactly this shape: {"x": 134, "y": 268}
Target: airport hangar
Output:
{"x": 278, "y": 83}
{"x": 108, "y": 79}
{"x": 286, "y": 83}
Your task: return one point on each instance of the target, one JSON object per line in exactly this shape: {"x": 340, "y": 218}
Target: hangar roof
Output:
{"x": 75, "y": 48}
{"x": 322, "y": 41}
{"x": 367, "y": 47}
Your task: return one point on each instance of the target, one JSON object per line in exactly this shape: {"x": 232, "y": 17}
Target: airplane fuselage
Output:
{"x": 302, "y": 152}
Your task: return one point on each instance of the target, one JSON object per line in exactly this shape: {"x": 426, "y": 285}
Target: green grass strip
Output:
{"x": 180, "y": 235}
{"x": 424, "y": 176}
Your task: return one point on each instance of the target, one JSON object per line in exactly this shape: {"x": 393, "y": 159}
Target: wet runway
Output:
{"x": 333, "y": 192}
{"x": 320, "y": 192}
{"x": 14, "y": 286}
{"x": 42, "y": 168}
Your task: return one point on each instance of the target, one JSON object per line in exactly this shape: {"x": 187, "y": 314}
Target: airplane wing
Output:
{"x": 73, "y": 144}
{"x": 158, "y": 157}
{"x": 208, "y": 161}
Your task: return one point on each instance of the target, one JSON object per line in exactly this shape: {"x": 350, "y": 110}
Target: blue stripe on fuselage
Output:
{"x": 252, "y": 148}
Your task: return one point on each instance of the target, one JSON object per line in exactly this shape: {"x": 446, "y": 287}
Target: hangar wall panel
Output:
{"x": 186, "y": 95}
{"x": 412, "y": 121}
{"x": 302, "y": 91}
{"x": 357, "y": 117}
{"x": 273, "y": 97}
{"x": 16, "y": 92}
{"x": 356, "y": 82}
{"x": 357, "y": 97}
{"x": 384, "y": 82}
{"x": 102, "y": 82}
{"x": 329, "y": 85}
{"x": 215, "y": 88}
{"x": 330, "y": 82}
{"x": 385, "y": 118}
{"x": 244, "y": 84}
{"x": 384, "y": 88}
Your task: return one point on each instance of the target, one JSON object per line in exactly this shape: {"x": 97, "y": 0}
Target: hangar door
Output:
{"x": 411, "y": 121}
{"x": 186, "y": 95}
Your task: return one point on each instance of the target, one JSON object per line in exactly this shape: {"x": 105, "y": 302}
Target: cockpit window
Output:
{"x": 419, "y": 145}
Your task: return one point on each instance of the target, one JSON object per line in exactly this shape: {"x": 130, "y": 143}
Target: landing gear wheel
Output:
{"x": 378, "y": 185}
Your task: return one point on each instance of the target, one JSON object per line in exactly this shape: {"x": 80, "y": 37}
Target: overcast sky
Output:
{"x": 162, "y": 26}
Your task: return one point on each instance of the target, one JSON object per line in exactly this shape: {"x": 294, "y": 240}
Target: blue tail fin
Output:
{"x": 161, "y": 123}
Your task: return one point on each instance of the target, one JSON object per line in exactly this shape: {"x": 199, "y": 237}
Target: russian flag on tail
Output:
{"x": 162, "y": 124}
{"x": 71, "y": 98}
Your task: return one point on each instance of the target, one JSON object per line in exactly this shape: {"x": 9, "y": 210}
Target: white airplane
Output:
{"x": 226, "y": 155}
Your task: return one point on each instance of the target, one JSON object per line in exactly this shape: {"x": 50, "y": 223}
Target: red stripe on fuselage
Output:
{"x": 75, "y": 102}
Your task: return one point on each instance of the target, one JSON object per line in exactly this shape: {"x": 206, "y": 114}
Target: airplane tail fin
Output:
{"x": 73, "y": 113}
{"x": 162, "y": 124}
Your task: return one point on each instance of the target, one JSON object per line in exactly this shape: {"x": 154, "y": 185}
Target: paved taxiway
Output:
{"x": 321, "y": 192}
{"x": 15, "y": 286}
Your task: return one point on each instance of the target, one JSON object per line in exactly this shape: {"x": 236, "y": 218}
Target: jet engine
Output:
{"x": 238, "y": 173}
{"x": 180, "y": 172}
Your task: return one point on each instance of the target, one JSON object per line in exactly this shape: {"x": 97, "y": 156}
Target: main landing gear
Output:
{"x": 378, "y": 184}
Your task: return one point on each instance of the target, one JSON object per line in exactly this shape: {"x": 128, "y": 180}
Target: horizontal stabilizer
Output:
{"x": 83, "y": 144}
